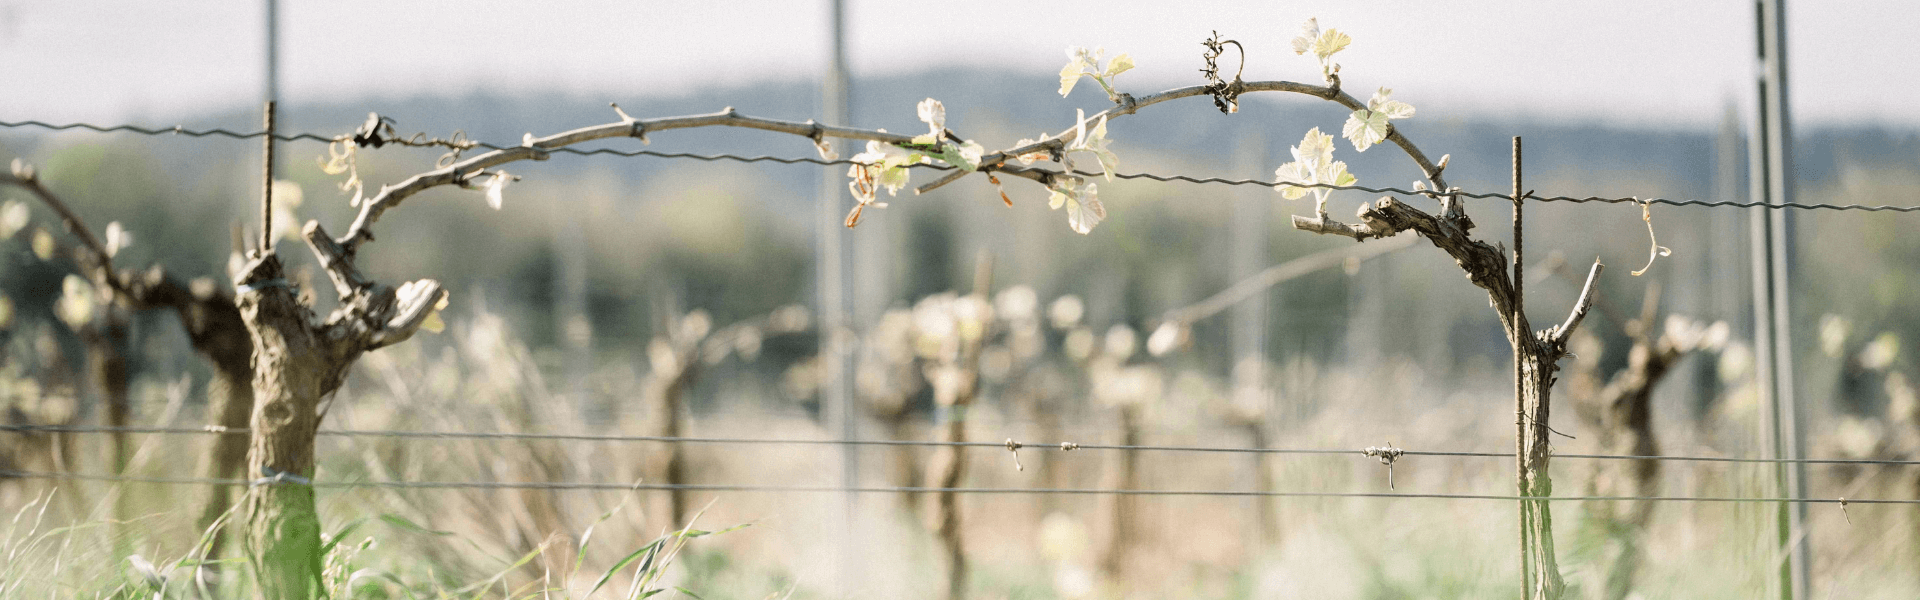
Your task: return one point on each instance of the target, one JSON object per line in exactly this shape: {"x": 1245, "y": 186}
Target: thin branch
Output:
{"x": 1556, "y": 336}
{"x": 1276, "y": 274}
{"x": 538, "y": 148}
{"x": 74, "y": 225}
{"x": 1132, "y": 105}
{"x": 413, "y": 304}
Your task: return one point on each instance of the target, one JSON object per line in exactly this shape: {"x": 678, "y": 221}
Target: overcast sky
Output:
{"x": 1622, "y": 61}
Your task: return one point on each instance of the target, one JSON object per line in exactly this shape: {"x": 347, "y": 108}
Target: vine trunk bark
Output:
{"x": 106, "y": 342}
{"x": 1125, "y": 508}
{"x": 230, "y": 394}
{"x": 955, "y": 380}
{"x": 1534, "y": 395}
{"x": 295, "y": 367}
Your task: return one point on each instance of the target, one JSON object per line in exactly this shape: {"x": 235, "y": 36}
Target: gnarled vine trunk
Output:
{"x": 1536, "y": 354}
{"x": 294, "y": 369}
{"x": 1539, "y": 567}
{"x": 298, "y": 364}
{"x": 955, "y": 379}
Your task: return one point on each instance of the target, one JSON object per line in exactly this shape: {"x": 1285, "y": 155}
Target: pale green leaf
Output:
{"x": 1340, "y": 176}
{"x": 1309, "y": 32}
{"x": 1314, "y": 149}
{"x": 1365, "y": 128}
{"x": 43, "y": 246}
{"x": 1096, "y": 143}
{"x": 1079, "y": 126}
{"x": 496, "y": 186}
{"x": 1292, "y": 172}
{"x": 14, "y": 216}
{"x": 75, "y": 306}
{"x": 1085, "y": 211}
{"x": 1070, "y": 75}
{"x": 1330, "y": 42}
{"x": 892, "y": 178}
{"x": 1119, "y": 64}
{"x": 117, "y": 237}
{"x": 964, "y": 156}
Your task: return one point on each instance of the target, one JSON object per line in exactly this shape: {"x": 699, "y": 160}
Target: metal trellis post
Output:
{"x": 1770, "y": 176}
{"x": 836, "y": 398}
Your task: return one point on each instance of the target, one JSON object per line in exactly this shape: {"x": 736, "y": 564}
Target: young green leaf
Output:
{"x": 934, "y": 114}
{"x": 1323, "y": 45}
{"x": 964, "y": 156}
{"x": 1368, "y": 126}
{"x": 1313, "y": 164}
{"x": 1070, "y": 74}
{"x": 1293, "y": 172}
{"x": 43, "y": 245}
{"x": 1095, "y": 142}
{"x": 1084, "y": 62}
{"x": 1082, "y": 201}
{"x": 496, "y": 185}
{"x": 75, "y": 306}
{"x": 14, "y": 216}
{"x": 1329, "y": 43}
{"x": 117, "y": 237}
{"x": 1309, "y": 31}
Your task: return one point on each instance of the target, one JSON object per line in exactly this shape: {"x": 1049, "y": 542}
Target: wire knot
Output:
{"x": 1064, "y": 446}
{"x": 274, "y": 476}
{"x": 1014, "y": 447}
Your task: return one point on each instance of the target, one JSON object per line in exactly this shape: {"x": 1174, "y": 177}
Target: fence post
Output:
{"x": 1770, "y": 172}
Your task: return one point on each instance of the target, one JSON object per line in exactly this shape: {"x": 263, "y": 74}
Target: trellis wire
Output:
{"x": 723, "y": 487}
{"x": 1151, "y": 176}
{"x": 1066, "y": 446}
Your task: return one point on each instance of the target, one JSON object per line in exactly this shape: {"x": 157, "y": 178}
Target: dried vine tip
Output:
{"x": 624, "y": 117}
{"x": 1069, "y": 446}
{"x": 1014, "y": 447}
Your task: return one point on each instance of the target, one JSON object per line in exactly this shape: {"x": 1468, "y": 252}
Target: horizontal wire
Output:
{"x": 1066, "y": 446}
{"x": 1161, "y": 178}
{"x": 699, "y": 487}
{"x": 175, "y": 130}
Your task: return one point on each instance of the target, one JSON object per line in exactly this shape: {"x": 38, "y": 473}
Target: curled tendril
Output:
{"x": 1226, "y": 96}
{"x": 376, "y": 132}
{"x": 1657, "y": 250}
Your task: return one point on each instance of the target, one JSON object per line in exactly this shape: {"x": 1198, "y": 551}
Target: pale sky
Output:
{"x": 1620, "y": 61}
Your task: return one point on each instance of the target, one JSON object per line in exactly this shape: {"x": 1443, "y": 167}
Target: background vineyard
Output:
{"x": 1395, "y": 352}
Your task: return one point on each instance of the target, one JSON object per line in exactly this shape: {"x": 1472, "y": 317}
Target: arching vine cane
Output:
{"x": 302, "y": 359}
